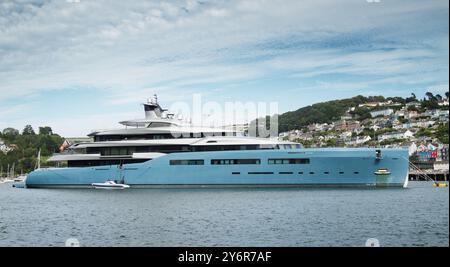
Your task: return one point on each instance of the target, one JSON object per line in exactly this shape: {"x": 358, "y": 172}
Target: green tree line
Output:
{"x": 26, "y": 145}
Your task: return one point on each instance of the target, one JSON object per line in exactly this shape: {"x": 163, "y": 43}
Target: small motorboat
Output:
{"x": 20, "y": 178}
{"x": 8, "y": 181}
{"x": 382, "y": 172}
{"x": 110, "y": 185}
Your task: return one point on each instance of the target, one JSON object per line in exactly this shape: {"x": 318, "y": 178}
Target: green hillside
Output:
{"x": 326, "y": 112}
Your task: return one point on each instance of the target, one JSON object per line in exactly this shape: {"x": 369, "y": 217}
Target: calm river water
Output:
{"x": 418, "y": 216}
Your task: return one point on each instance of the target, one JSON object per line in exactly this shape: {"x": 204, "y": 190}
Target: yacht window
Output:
{"x": 159, "y": 124}
{"x": 187, "y": 162}
{"x": 235, "y": 161}
{"x": 117, "y": 151}
{"x": 288, "y": 161}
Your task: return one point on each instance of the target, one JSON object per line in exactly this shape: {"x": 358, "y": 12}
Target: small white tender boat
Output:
{"x": 21, "y": 178}
{"x": 110, "y": 185}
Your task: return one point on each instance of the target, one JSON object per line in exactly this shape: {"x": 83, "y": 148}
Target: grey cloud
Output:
{"x": 49, "y": 45}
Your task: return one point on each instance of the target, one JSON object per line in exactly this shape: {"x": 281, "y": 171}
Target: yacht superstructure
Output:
{"x": 157, "y": 135}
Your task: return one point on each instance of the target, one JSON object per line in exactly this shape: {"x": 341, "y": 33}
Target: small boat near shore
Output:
{"x": 110, "y": 185}
{"x": 436, "y": 184}
{"x": 21, "y": 178}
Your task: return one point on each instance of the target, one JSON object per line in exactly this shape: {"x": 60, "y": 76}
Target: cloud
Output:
{"x": 127, "y": 50}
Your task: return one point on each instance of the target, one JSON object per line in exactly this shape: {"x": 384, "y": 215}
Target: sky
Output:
{"x": 79, "y": 65}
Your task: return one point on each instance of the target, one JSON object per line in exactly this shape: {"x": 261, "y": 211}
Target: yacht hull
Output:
{"x": 324, "y": 168}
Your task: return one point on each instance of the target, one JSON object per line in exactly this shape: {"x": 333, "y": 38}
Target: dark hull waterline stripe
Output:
{"x": 218, "y": 186}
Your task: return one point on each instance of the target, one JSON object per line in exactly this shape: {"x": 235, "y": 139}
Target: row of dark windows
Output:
{"x": 103, "y": 138}
{"x": 235, "y": 161}
{"x": 239, "y": 161}
{"x": 127, "y": 151}
{"x": 92, "y": 163}
{"x": 288, "y": 161}
{"x": 188, "y": 162}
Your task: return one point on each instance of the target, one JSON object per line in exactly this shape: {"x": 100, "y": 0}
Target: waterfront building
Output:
{"x": 346, "y": 125}
{"x": 441, "y": 166}
{"x": 384, "y": 112}
{"x": 356, "y": 141}
{"x": 5, "y": 148}
{"x": 396, "y": 135}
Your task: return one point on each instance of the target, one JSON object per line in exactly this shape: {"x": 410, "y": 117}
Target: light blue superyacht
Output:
{"x": 161, "y": 152}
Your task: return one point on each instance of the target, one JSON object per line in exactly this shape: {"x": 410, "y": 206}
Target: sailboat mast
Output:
{"x": 39, "y": 159}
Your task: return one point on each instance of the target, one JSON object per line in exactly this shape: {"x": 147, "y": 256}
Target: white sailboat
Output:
{"x": 10, "y": 173}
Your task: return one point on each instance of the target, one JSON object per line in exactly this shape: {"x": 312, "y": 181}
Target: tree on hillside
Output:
{"x": 446, "y": 95}
{"x": 430, "y": 96}
{"x": 10, "y": 132}
{"x": 28, "y": 130}
{"x": 413, "y": 108}
{"x": 430, "y": 103}
{"x": 442, "y": 133}
{"x": 397, "y": 99}
{"x": 27, "y": 146}
{"x": 362, "y": 113}
{"x": 439, "y": 97}
{"x": 413, "y": 98}
{"x": 45, "y": 130}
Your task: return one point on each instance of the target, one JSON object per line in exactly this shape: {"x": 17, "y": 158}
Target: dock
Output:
{"x": 437, "y": 175}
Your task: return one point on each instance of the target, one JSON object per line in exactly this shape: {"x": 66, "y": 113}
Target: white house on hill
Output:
{"x": 384, "y": 112}
{"x": 396, "y": 135}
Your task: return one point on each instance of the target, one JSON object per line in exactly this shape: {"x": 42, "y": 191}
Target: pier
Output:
{"x": 437, "y": 175}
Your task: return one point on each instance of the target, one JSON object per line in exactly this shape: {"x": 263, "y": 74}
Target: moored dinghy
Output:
{"x": 110, "y": 185}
